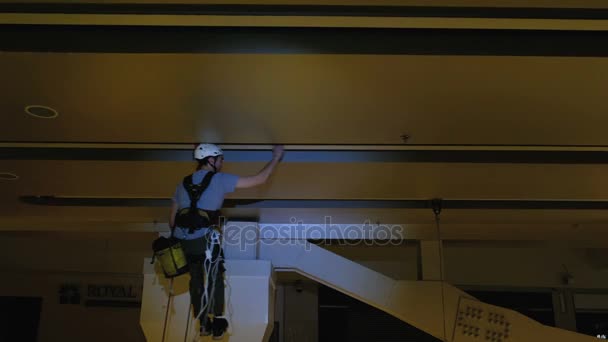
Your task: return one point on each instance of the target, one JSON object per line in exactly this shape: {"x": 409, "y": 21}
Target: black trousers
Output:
{"x": 195, "y": 254}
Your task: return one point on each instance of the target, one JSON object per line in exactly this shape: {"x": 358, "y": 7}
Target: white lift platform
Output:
{"x": 250, "y": 297}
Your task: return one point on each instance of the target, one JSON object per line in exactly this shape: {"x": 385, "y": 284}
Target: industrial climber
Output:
{"x": 195, "y": 223}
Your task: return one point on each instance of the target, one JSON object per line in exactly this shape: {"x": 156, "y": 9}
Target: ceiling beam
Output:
{"x": 449, "y": 204}
{"x": 313, "y": 154}
{"x": 305, "y": 35}
{"x": 309, "y": 10}
{"x": 299, "y": 147}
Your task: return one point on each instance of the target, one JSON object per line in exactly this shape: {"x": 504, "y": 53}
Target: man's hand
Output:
{"x": 262, "y": 176}
{"x": 277, "y": 152}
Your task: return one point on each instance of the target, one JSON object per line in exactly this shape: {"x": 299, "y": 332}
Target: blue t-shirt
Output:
{"x": 211, "y": 199}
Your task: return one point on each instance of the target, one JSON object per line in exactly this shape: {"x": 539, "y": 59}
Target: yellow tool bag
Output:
{"x": 169, "y": 253}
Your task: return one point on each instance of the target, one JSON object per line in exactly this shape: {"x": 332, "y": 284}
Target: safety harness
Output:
{"x": 192, "y": 217}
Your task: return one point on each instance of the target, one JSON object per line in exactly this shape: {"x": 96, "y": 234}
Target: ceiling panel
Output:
{"x": 305, "y": 99}
{"x": 320, "y": 180}
{"x": 120, "y": 179}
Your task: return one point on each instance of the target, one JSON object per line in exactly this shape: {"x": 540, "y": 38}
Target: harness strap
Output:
{"x": 196, "y": 190}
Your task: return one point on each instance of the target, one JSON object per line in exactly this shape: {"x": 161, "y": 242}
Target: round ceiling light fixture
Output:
{"x": 41, "y": 112}
{"x": 7, "y": 176}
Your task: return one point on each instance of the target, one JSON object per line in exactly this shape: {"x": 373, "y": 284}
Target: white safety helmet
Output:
{"x": 203, "y": 151}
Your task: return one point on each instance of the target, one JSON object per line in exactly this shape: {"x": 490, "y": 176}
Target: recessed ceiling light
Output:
{"x": 7, "y": 176}
{"x": 41, "y": 112}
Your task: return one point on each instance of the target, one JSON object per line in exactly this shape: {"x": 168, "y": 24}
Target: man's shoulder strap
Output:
{"x": 196, "y": 190}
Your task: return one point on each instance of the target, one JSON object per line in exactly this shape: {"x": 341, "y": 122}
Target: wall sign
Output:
{"x": 101, "y": 295}
{"x": 111, "y": 291}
